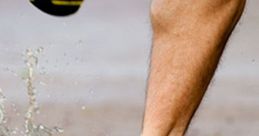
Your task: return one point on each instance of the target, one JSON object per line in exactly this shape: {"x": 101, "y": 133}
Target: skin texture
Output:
{"x": 189, "y": 37}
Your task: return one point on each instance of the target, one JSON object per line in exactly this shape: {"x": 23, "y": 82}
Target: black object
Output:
{"x": 58, "y": 7}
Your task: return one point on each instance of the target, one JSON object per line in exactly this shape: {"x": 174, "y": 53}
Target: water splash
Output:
{"x": 31, "y": 128}
{"x": 4, "y": 130}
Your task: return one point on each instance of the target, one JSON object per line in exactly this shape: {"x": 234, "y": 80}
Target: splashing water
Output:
{"x": 4, "y": 131}
{"x": 31, "y": 128}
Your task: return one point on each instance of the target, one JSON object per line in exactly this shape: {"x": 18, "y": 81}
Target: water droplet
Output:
{"x": 43, "y": 83}
{"x": 40, "y": 50}
{"x": 83, "y": 108}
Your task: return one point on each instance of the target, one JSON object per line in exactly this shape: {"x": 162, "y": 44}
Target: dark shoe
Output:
{"x": 58, "y": 7}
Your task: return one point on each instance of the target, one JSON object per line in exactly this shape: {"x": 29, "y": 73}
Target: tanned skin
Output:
{"x": 189, "y": 37}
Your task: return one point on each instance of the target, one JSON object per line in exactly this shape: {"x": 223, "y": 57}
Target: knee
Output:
{"x": 168, "y": 13}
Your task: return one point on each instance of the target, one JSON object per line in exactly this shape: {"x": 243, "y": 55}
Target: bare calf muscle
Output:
{"x": 188, "y": 40}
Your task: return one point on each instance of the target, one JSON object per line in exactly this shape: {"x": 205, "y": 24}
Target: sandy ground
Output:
{"x": 228, "y": 109}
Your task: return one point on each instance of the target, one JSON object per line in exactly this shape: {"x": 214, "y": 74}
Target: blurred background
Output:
{"x": 92, "y": 73}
